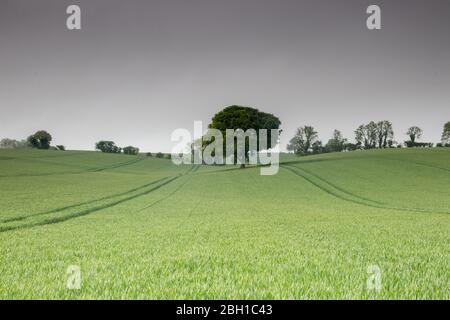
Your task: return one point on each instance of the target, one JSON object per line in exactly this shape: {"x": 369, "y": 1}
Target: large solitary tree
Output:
{"x": 245, "y": 118}
{"x": 414, "y": 133}
{"x": 41, "y": 140}
{"x": 303, "y": 141}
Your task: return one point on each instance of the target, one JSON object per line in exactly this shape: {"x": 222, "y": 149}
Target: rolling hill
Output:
{"x": 141, "y": 227}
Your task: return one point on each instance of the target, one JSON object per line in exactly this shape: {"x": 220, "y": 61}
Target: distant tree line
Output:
{"x": 374, "y": 135}
{"x": 107, "y": 146}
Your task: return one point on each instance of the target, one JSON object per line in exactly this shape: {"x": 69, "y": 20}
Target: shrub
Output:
{"x": 159, "y": 155}
{"x": 410, "y": 144}
{"x": 60, "y": 147}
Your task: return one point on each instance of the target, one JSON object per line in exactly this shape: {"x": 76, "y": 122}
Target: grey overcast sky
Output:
{"x": 140, "y": 69}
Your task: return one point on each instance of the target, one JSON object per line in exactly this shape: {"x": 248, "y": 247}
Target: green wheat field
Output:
{"x": 142, "y": 228}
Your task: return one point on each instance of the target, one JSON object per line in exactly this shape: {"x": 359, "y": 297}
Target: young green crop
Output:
{"x": 141, "y": 227}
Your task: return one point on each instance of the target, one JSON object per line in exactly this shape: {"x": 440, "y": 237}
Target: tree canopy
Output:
{"x": 107, "y": 147}
{"x": 239, "y": 117}
{"x": 41, "y": 140}
{"x": 245, "y": 118}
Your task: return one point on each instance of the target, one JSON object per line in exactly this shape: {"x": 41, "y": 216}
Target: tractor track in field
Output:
{"x": 86, "y": 211}
{"x": 163, "y": 198}
{"x": 113, "y": 166}
{"x": 56, "y": 210}
{"x": 119, "y": 165}
{"x": 93, "y": 209}
{"x": 187, "y": 173}
{"x": 301, "y": 172}
{"x": 339, "y": 188}
{"x": 349, "y": 197}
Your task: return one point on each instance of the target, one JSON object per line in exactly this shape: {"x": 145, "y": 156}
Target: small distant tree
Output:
{"x": 41, "y": 140}
{"x": 336, "y": 143}
{"x": 149, "y": 154}
{"x": 446, "y": 135}
{"x": 159, "y": 155}
{"x": 107, "y": 147}
{"x": 60, "y": 147}
{"x": 414, "y": 133}
{"x": 366, "y": 135}
{"x": 131, "y": 150}
{"x": 303, "y": 140}
{"x": 168, "y": 156}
